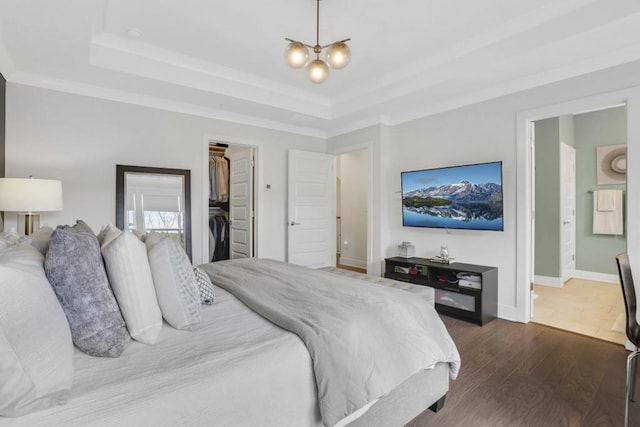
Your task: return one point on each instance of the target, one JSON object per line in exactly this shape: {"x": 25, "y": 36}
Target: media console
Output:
{"x": 466, "y": 291}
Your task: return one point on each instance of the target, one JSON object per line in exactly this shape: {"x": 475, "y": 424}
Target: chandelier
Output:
{"x": 338, "y": 54}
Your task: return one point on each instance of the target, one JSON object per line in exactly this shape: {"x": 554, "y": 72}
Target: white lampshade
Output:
{"x": 30, "y": 195}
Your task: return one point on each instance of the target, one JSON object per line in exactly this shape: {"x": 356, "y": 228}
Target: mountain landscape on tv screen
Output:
{"x": 462, "y": 202}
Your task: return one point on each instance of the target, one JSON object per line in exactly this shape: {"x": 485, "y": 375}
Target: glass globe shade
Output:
{"x": 318, "y": 70}
{"x": 338, "y": 55}
{"x": 297, "y": 55}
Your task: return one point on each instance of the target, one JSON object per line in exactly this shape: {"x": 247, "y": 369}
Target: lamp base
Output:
{"x": 28, "y": 222}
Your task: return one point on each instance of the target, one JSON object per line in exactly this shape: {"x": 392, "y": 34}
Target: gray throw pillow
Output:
{"x": 75, "y": 269}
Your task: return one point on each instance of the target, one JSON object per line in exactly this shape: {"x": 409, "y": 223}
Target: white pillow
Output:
{"x": 107, "y": 234}
{"x": 39, "y": 239}
{"x": 125, "y": 259}
{"x": 8, "y": 238}
{"x": 175, "y": 282}
{"x": 36, "y": 351}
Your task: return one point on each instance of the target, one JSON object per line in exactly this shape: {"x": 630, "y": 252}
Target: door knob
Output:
{"x": 292, "y": 223}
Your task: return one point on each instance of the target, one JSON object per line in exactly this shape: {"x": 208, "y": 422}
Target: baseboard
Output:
{"x": 555, "y": 282}
{"x": 599, "y": 277}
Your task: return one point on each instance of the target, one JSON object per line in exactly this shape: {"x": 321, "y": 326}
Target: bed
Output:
{"x": 236, "y": 369}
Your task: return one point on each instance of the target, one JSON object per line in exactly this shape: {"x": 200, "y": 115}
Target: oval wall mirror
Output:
{"x": 152, "y": 199}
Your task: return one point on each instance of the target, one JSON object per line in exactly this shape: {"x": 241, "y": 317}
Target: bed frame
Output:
{"x": 424, "y": 390}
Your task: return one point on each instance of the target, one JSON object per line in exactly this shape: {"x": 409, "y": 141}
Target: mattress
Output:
{"x": 237, "y": 369}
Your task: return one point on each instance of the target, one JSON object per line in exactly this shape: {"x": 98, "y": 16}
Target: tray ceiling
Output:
{"x": 225, "y": 59}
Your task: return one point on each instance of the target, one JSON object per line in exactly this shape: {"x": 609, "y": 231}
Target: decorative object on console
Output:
{"x": 29, "y": 196}
{"x": 338, "y": 54}
{"x": 406, "y": 250}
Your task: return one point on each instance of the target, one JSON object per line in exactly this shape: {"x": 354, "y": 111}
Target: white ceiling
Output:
{"x": 225, "y": 58}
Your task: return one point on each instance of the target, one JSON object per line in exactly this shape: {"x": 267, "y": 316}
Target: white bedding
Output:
{"x": 237, "y": 369}
{"x": 364, "y": 340}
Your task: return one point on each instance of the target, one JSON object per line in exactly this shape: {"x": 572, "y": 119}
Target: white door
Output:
{"x": 311, "y": 209}
{"x": 568, "y": 210}
{"x": 241, "y": 203}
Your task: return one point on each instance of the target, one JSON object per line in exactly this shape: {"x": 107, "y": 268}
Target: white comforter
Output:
{"x": 237, "y": 369}
{"x": 364, "y": 339}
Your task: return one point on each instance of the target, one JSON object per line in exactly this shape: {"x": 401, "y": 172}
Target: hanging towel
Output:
{"x": 606, "y": 200}
{"x": 607, "y": 212}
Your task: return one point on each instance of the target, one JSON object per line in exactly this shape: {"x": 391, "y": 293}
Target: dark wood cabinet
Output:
{"x": 465, "y": 291}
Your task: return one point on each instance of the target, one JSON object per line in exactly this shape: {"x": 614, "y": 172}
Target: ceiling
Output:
{"x": 225, "y": 58}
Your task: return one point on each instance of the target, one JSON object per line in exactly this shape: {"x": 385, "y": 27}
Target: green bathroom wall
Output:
{"x": 595, "y": 252}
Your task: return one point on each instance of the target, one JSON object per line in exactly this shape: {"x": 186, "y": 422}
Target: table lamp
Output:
{"x": 28, "y": 196}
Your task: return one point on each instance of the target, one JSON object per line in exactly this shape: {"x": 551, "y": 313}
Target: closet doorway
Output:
{"x": 230, "y": 199}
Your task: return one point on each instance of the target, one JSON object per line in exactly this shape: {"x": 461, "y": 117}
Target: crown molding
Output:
{"x": 45, "y": 82}
{"x": 148, "y": 61}
{"x": 586, "y": 66}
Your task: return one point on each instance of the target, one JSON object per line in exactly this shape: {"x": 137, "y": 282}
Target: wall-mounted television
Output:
{"x": 462, "y": 197}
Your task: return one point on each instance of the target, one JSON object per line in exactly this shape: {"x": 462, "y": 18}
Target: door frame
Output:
{"x": 373, "y": 216}
{"x": 524, "y": 176}
{"x": 258, "y": 147}
{"x": 566, "y": 274}
{"x": 368, "y": 230}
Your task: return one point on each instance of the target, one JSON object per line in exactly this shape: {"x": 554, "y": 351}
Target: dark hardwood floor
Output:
{"x": 514, "y": 374}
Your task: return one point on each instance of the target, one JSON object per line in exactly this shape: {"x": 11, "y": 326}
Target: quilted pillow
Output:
{"x": 36, "y": 351}
{"x": 174, "y": 281}
{"x": 75, "y": 269}
{"x": 130, "y": 276}
{"x": 205, "y": 287}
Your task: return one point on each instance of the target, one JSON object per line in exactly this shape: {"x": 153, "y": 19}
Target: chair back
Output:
{"x": 629, "y": 294}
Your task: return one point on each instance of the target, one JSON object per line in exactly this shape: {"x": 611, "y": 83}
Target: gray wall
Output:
{"x": 566, "y": 130}
{"x": 79, "y": 140}
{"x": 3, "y": 98}
{"x": 595, "y": 252}
{"x": 547, "y": 198}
